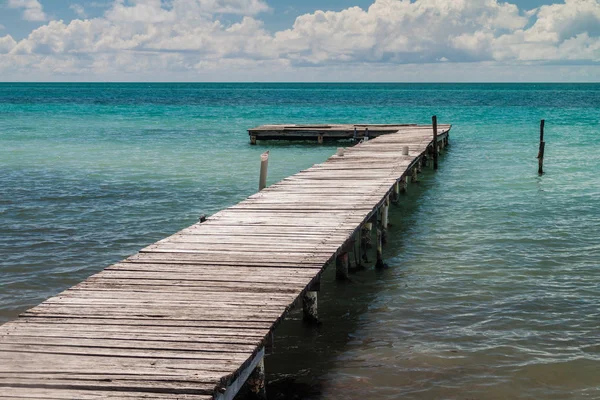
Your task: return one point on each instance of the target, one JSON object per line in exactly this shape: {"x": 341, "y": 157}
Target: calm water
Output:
{"x": 493, "y": 289}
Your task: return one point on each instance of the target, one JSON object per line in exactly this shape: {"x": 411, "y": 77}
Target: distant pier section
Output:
{"x": 328, "y": 132}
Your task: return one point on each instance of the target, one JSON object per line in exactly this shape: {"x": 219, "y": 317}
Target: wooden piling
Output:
{"x": 309, "y": 307}
{"x": 365, "y": 241}
{"x": 341, "y": 267}
{"x": 256, "y": 382}
{"x": 384, "y": 219}
{"x": 435, "y": 142}
{"x": 320, "y": 139}
{"x": 379, "y": 263}
{"x": 264, "y": 165}
{"x": 414, "y": 177}
{"x": 358, "y": 250}
{"x": 403, "y": 184}
{"x": 252, "y": 139}
{"x": 542, "y": 148}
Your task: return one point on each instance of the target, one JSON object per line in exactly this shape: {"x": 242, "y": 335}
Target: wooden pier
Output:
{"x": 189, "y": 316}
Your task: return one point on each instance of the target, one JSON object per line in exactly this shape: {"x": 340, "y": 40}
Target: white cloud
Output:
{"x": 32, "y": 9}
{"x": 78, "y": 10}
{"x": 7, "y": 43}
{"x": 187, "y": 38}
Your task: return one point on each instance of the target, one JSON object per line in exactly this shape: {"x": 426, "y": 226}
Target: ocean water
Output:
{"x": 493, "y": 290}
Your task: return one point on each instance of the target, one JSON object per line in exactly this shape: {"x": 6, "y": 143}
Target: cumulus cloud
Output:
{"x": 187, "y": 36}
{"x": 78, "y": 10}
{"x": 7, "y": 43}
{"x": 32, "y": 9}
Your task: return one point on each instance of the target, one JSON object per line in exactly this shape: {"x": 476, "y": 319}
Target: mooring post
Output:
{"x": 264, "y": 165}
{"x": 435, "y": 142}
{"x": 341, "y": 267}
{"x": 404, "y": 150}
{"x": 256, "y": 381}
{"x": 542, "y": 148}
{"x": 252, "y": 139}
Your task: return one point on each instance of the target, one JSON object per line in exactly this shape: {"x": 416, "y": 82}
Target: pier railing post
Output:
{"x": 542, "y": 148}
{"x": 435, "y": 142}
{"x": 264, "y": 165}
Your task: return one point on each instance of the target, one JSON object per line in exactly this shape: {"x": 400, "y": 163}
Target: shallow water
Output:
{"x": 494, "y": 281}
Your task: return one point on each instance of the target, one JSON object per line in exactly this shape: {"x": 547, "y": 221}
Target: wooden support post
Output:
{"x": 358, "y": 248}
{"x": 367, "y": 134}
{"x": 264, "y": 165}
{"x": 256, "y": 381}
{"x": 341, "y": 267}
{"x": 435, "y": 142}
{"x": 379, "y": 263}
{"x": 309, "y": 307}
{"x": 320, "y": 139}
{"x": 414, "y": 177}
{"x": 355, "y": 136}
{"x": 253, "y": 139}
{"x": 270, "y": 343}
{"x": 385, "y": 219}
{"x": 396, "y": 195}
{"x": 542, "y": 148}
{"x": 366, "y": 240}
{"x": 403, "y": 184}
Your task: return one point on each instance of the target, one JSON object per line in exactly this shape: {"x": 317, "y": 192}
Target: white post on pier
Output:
{"x": 264, "y": 165}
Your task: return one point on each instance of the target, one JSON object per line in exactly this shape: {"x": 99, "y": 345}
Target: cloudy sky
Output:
{"x": 309, "y": 40}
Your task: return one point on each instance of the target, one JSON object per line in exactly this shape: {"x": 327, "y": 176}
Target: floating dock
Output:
{"x": 191, "y": 316}
{"x": 324, "y": 132}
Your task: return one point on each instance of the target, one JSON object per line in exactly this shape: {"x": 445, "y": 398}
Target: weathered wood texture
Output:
{"x": 184, "y": 317}
{"x": 321, "y": 132}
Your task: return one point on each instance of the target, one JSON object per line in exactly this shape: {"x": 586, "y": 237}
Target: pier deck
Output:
{"x": 189, "y": 316}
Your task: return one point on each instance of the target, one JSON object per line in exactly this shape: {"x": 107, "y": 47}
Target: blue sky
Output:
{"x": 363, "y": 40}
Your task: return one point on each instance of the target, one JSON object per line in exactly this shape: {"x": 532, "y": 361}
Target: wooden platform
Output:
{"x": 188, "y": 317}
{"x": 324, "y": 132}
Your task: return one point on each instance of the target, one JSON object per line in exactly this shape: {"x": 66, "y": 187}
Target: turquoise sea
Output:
{"x": 493, "y": 290}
